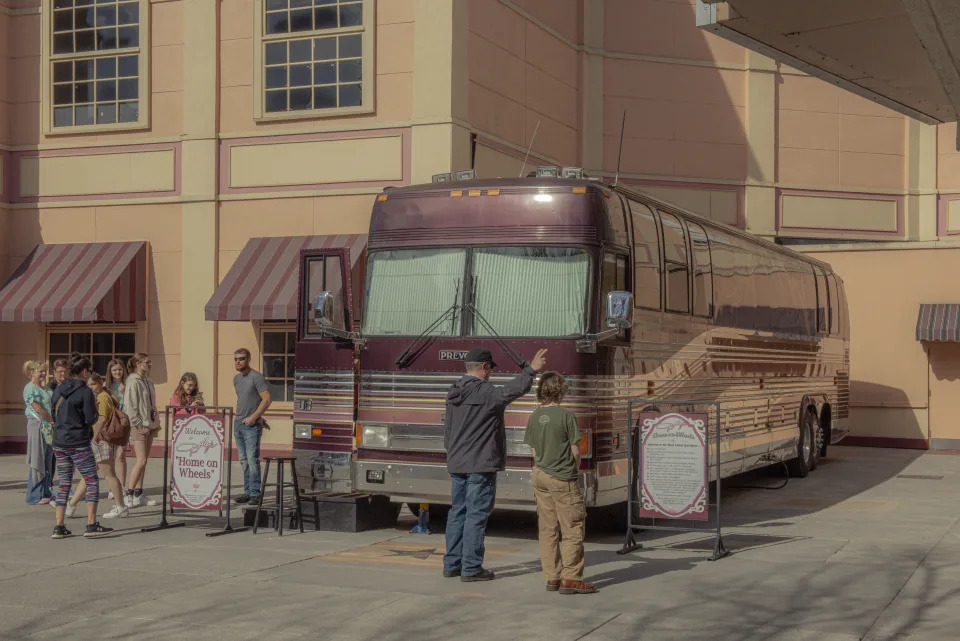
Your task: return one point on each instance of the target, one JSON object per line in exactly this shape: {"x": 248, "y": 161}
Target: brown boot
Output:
{"x": 553, "y": 585}
{"x": 568, "y": 586}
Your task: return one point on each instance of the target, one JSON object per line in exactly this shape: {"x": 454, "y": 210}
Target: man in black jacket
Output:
{"x": 475, "y": 440}
{"x": 75, "y": 413}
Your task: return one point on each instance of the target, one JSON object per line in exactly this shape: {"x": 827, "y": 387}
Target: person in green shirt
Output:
{"x": 554, "y": 438}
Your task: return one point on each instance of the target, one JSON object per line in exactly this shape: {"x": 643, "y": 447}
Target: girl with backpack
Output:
{"x": 104, "y": 452}
{"x": 115, "y": 381}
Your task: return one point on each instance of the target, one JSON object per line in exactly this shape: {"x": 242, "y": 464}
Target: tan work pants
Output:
{"x": 561, "y": 516}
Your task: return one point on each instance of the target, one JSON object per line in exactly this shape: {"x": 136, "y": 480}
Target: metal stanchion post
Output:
{"x": 228, "y": 528}
{"x": 163, "y": 525}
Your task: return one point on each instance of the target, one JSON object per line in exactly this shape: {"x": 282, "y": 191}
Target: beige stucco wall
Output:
{"x": 894, "y": 391}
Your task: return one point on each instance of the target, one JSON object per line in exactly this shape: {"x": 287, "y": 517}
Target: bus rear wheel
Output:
{"x": 807, "y": 447}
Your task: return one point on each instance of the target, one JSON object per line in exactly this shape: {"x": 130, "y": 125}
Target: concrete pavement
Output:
{"x": 867, "y": 547}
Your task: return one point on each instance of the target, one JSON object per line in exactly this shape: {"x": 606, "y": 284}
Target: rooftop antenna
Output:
{"x": 529, "y": 147}
{"x": 616, "y": 178}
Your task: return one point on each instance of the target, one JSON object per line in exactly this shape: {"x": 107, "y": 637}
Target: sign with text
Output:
{"x": 673, "y": 464}
{"x": 197, "y": 458}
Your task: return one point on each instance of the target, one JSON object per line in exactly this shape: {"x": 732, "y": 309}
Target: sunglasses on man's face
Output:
{"x": 239, "y": 359}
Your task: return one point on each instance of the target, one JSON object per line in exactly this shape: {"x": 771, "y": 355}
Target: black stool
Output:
{"x": 280, "y": 486}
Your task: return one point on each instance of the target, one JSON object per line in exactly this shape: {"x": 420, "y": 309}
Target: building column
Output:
{"x": 591, "y": 87}
{"x": 199, "y": 242}
{"x": 440, "y": 84}
{"x": 761, "y": 132}
{"x": 921, "y": 180}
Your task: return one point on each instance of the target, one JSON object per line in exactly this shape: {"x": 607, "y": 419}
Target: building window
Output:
{"x": 97, "y": 64}
{"x": 315, "y": 57}
{"x": 278, "y": 347}
{"x": 101, "y": 344}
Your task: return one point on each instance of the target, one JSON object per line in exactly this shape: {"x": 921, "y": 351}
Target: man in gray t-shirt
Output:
{"x": 253, "y": 399}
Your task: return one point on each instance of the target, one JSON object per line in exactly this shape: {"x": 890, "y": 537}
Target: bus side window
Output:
{"x": 614, "y": 279}
{"x": 676, "y": 264}
{"x": 834, "y": 312}
{"x": 646, "y": 252}
{"x": 823, "y": 300}
{"x": 702, "y": 272}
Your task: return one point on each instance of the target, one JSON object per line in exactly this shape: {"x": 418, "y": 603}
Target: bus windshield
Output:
{"x": 519, "y": 291}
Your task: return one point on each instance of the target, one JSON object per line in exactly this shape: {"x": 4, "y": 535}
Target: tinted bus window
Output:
{"x": 676, "y": 264}
{"x": 646, "y": 252}
{"x": 702, "y": 272}
{"x": 834, "y": 313}
{"x": 823, "y": 299}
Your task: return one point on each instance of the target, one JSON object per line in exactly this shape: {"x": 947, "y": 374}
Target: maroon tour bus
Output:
{"x": 632, "y": 296}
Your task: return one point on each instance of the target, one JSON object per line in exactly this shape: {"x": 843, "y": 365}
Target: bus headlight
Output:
{"x": 301, "y": 431}
{"x": 375, "y": 435}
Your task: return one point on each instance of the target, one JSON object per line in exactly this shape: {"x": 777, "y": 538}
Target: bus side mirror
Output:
{"x": 619, "y": 305}
{"x": 323, "y": 309}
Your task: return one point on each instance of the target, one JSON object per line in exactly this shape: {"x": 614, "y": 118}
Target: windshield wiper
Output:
{"x": 516, "y": 358}
{"x": 403, "y": 360}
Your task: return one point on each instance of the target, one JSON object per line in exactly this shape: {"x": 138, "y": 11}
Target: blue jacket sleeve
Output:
{"x": 90, "y": 414}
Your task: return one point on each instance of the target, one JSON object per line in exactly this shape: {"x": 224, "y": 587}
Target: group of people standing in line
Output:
{"x": 65, "y": 421}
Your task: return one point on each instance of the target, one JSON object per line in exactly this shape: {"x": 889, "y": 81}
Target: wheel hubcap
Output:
{"x": 807, "y": 442}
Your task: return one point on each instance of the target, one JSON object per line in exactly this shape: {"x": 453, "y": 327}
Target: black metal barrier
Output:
{"x": 635, "y": 473}
{"x": 226, "y": 458}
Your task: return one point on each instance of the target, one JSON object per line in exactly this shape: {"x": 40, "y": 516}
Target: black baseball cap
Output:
{"x": 480, "y": 355}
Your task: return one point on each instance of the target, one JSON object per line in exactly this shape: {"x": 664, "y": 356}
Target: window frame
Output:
{"x": 72, "y": 328}
{"x": 289, "y": 329}
{"x": 658, "y": 243}
{"x": 368, "y": 77}
{"x": 48, "y": 59}
{"x": 666, "y": 262}
{"x": 698, "y": 270}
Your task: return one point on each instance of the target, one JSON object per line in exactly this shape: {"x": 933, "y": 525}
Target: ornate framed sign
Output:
{"x": 673, "y": 466}
{"x": 197, "y": 462}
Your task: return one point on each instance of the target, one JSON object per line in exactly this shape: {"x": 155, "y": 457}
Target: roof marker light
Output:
{"x": 493, "y": 192}
{"x": 382, "y": 198}
{"x": 579, "y": 190}
{"x": 548, "y": 171}
{"x": 473, "y": 192}
{"x": 456, "y": 193}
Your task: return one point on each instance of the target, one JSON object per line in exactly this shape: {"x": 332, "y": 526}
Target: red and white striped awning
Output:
{"x": 262, "y": 284}
{"x": 78, "y": 283}
{"x": 939, "y": 323}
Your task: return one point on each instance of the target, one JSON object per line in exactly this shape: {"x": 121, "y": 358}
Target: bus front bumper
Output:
{"x": 423, "y": 483}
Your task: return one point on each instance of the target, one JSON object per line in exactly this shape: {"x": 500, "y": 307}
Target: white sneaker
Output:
{"x": 71, "y": 510}
{"x": 128, "y": 501}
{"x": 146, "y": 501}
{"x": 118, "y": 512}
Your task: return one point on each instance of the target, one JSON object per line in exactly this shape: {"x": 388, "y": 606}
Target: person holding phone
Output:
{"x": 187, "y": 396}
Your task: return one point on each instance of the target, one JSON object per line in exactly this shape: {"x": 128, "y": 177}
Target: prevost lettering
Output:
{"x": 452, "y": 355}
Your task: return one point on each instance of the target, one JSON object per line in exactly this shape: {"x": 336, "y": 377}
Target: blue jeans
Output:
{"x": 472, "y": 502}
{"x": 41, "y": 490}
{"x": 248, "y": 451}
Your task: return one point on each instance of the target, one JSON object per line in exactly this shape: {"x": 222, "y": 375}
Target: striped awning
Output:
{"x": 262, "y": 284}
{"x": 939, "y": 323}
{"x": 78, "y": 283}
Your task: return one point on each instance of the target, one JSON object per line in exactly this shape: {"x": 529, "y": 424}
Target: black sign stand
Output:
{"x": 635, "y": 462}
{"x": 227, "y": 413}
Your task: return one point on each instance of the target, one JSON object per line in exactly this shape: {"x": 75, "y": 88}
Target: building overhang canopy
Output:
{"x": 263, "y": 283}
{"x": 81, "y": 282}
{"x": 939, "y": 323}
{"x": 903, "y": 54}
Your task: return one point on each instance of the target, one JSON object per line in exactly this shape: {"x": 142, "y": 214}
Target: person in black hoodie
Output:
{"x": 75, "y": 412}
{"x": 476, "y": 444}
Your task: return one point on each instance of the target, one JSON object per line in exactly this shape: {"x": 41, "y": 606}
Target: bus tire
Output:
{"x": 806, "y": 459}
